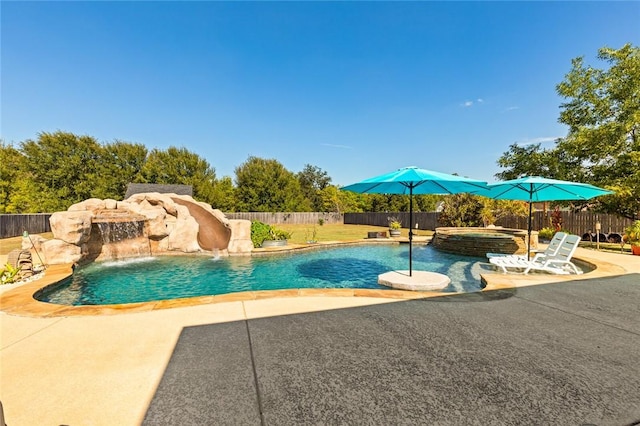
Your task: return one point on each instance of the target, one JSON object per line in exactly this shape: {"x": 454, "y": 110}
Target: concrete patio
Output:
{"x": 565, "y": 352}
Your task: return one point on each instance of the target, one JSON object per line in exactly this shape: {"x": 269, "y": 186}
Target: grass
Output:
{"x": 300, "y": 234}
{"x": 8, "y": 244}
{"x": 612, "y": 247}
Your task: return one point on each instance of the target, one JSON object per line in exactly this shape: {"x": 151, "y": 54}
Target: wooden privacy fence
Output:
{"x": 421, "y": 220}
{"x": 297, "y": 218}
{"x": 576, "y": 223}
{"x": 13, "y": 225}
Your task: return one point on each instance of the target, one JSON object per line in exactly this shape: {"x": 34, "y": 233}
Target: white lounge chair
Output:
{"x": 560, "y": 263}
{"x": 551, "y": 250}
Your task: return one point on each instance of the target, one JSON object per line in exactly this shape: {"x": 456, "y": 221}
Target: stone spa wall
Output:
{"x": 480, "y": 241}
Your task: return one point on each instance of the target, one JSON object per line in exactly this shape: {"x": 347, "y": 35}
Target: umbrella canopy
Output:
{"x": 412, "y": 180}
{"x": 538, "y": 189}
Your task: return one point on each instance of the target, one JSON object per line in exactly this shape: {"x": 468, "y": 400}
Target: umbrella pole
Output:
{"x": 410, "y": 226}
{"x": 529, "y": 233}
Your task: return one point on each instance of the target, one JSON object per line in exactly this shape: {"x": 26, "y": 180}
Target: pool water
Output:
{"x": 171, "y": 277}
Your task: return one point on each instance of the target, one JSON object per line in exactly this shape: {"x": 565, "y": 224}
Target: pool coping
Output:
{"x": 20, "y": 300}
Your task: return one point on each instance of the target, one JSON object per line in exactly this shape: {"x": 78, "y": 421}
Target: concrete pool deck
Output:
{"x": 61, "y": 368}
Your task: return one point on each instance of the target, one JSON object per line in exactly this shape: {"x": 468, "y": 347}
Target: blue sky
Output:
{"x": 355, "y": 88}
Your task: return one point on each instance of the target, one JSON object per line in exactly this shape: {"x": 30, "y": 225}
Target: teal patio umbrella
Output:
{"x": 415, "y": 181}
{"x": 534, "y": 189}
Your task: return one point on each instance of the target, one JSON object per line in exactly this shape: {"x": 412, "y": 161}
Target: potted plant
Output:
{"x": 276, "y": 238}
{"x": 394, "y": 227}
{"x": 264, "y": 235}
{"x": 632, "y": 236}
{"x": 546, "y": 234}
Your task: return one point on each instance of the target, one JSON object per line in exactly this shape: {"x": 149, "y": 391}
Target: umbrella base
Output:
{"x": 418, "y": 281}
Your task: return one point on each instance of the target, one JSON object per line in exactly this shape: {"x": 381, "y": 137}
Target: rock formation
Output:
{"x": 21, "y": 260}
{"x": 142, "y": 225}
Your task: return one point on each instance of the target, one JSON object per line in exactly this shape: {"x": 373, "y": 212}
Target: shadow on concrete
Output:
{"x": 564, "y": 353}
{"x": 483, "y": 296}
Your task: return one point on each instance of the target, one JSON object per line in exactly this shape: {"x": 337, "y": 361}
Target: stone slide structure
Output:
{"x": 213, "y": 233}
{"x": 143, "y": 225}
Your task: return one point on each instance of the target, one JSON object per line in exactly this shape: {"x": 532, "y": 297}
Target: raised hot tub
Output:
{"x": 474, "y": 241}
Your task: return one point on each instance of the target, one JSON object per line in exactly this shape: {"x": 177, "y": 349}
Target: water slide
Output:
{"x": 212, "y": 233}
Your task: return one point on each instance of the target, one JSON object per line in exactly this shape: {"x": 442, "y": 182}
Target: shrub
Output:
{"x": 259, "y": 232}
{"x": 546, "y": 233}
{"x": 632, "y": 233}
{"x": 278, "y": 234}
{"x": 9, "y": 274}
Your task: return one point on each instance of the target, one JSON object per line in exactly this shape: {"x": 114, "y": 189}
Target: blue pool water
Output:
{"x": 171, "y": 277}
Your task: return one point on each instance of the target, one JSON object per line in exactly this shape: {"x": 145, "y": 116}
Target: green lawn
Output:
{"x": 606, "y": 247}
{"x": 300, "y": 234}
{"x": 8, "y": 244}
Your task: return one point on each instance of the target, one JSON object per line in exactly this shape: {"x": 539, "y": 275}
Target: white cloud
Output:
{"x": 468, "y": 104}
{"x": 331, "y": 145}
{"x": 512, "y": 108}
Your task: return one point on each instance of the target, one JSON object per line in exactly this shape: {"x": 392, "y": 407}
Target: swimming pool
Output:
{"x": 172, "y": 277}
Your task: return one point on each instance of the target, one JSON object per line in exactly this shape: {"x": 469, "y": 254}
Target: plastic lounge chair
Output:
{"x": 560, "y": 263}
{"x": 551, "y": 250}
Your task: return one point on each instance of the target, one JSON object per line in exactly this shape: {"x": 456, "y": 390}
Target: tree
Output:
{"x": 426, "y": 202}
{"x": 120, "y": 163}
{"x": 603, "y": 115}
{"x": 267, "y": 186}
{"x": 602, "y": 146}
{"x": 58, "y": 169}
{"x": 494, "y": 210}
{"x": 224, "y": 195}
{"x": 31, "y": 196}
{"x": 180, "y": 166}
{"x": 399, "y": 203}
{"x": 387, "y": 203}
{"x": 461, "y": 210}
{"x": 312, "y": 181}
{"x": 10, "y": 158}
{"x": 338, "y": 201}
{"x": 529, "y": 160}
